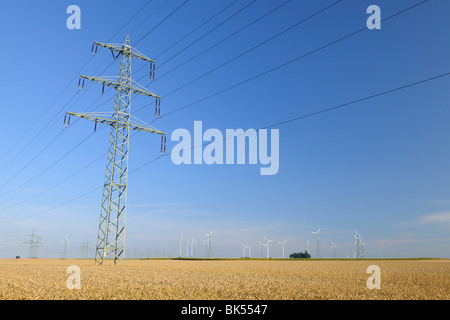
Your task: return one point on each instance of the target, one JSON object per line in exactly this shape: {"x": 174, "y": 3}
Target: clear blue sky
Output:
{"x": 380, "y": 166}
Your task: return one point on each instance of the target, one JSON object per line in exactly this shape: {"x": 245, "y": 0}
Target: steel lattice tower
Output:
{"x": 111, "y": 231}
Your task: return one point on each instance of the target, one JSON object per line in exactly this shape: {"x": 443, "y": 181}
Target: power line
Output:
{"x": 207, "y": 33}
{"x": 198, "y": 39}
{"x": 26, "y": 148}
{"x": 230, "y": 36}
{"x": 74, "y": 199}
{"x": 247, "y": 51}
{"x": 149, "y": 16}
{"x": 286, "y": 63}
{"x": 266, "y": 127}
{"x": 161, "y": 22}
{"x": 47, "y": 126}
{"x": 340, "y": 106}
{"x": 191, "y": 32}
{"x": 366, "y": 97}
{"x": 132, "y": 18}
{"x": 41, "y": 151}
{"x": 57, "y": 184}
{"x": 213, "y": 46}
{"x": 46, "y": 169}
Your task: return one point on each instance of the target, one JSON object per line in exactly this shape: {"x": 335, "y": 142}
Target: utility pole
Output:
{"x": 111, "y": 231}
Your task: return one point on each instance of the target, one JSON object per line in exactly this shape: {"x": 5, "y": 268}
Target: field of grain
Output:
{"x": 225, "y": 279}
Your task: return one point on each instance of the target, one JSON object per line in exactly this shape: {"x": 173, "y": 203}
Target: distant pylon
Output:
{"x": 66, "y": 240}
{"x": 111, "y": 231}
{"x": 34, "y": 243}
{"x": 84, "y": 249}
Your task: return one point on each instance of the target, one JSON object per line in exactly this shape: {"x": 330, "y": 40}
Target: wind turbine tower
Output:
{"x": 261, "y": 246}
{"x": 359, "y": 245}
{"x": 282, "y": 246}
{"x": 243, "y": 250}
{"x": 195, "y": 246}
{"x": 333, "y": 246}
{"x": 209, "y": 243}
{"x": 192, "y": 246}
{"x": 361, "y": 251}
{"x": 318, "y": 254}
{"x": 267, "y": 246}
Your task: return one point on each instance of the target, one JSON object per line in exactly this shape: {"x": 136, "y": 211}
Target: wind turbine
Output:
{"x": 333, "y": 246}
{"x": 195, "y": 246}
{"x": 261, "y": 246}
{"x": 192, "y": 246}
{"x": 209, "y": 235}
{"x": 243, "y": 250}
{"x": 249, "y": 251}
{"x": 318, "y": 255}
{"x": 359, "y": 244}
{"x": 361, "y": 251}
{"x": 187, "y": 248}
{"x": 307, "y": 246}
{"x": 181, "y": 239}
{"x": 206, "y": 247}
{"x": 267, "y": 246}
{"x": 282, "y": 246}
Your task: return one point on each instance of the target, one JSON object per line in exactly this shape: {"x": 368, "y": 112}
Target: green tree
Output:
{"x": 297, "y": 255}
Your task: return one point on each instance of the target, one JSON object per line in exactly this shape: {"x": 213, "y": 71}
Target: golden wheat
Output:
{"x": 224, "y": 279}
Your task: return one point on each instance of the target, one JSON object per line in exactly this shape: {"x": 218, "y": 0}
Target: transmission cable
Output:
{"x": 245, "y": 52}
{"x": 217, "y": 26}
{"x": 191, "y": 32}
{"x": 161, "y": 22}
{"x": 268, "y": 126}
{"x": 284, "y": 64}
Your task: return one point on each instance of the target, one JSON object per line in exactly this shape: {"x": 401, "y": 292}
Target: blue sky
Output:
{"x": 379, "y": 166}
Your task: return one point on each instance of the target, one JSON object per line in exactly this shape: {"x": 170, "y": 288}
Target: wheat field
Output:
{"x": 42, "y": 279}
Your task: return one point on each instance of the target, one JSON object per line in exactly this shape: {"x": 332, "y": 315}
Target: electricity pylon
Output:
{"x": 111, "y": 231}
{"x": 34, "y": 243}
{"x": 84, "y": 249}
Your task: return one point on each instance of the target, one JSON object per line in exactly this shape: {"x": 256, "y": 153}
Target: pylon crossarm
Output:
{"x": 113, "y": 83}
{"x": 119, "y": 48}
{"x": 137, "y": 125}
